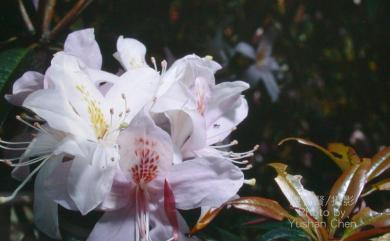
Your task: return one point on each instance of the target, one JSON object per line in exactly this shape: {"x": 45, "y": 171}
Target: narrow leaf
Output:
{"x": 335, "y": 147}
{"x": 347, "y": 156}
{"x": 170, "y": 209}
{"x": 385, "y": 237}
{"x": 364, "y": 235}
{"x": 383, "y": 185}
{"x": 380, "y": 163}
{"x": 296, "y": 194}
{"x": 345, "y": 193}
{"x": 260, "y": 206}
{"x": 206, "y": 219}
{"x": 365, "y": 217}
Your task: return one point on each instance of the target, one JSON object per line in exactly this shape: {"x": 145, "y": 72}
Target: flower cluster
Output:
{"x": 138, "y": 145}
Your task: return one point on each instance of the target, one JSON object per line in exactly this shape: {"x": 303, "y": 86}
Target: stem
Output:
{"x": 48, "y": 14}
{"x": 26, "y": 17}
{"x": 69, "y": 17}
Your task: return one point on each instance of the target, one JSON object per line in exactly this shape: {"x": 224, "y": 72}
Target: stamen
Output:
{"x": 30, "y": 162}
{"x": 154, "y": 63}
{"x": 250, "y": 182}
{"x": 36, "y": 124}
{"x": 19, "y": 118}
{"x": 16, "y": 191}
{"x": 233, "y": 143}
{"x": 14, "y": 143}
{"x": 164, "y": 65}
{"x": 13, "y": 148}
{"x": 248, "y": 167}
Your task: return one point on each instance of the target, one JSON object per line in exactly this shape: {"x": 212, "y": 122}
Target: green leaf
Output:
{"x": 285, "y": 233}
{"x": 9, "y": 61}
{"x": 225, "y": 235}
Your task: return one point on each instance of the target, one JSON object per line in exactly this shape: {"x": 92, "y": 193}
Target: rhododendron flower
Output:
{"x": 146, "y": 163}
{"x": 80, "y": 44}
{"x": 200, "y": 112}
{"x": 264, "y": 65}
{"x": 81, "y": 122}
{"x": 74, "y": 105}
{"x": 97, "y": 146}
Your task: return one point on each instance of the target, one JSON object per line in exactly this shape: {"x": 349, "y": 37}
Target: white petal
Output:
{"x": 83, "y": 45}
{"x": 138, "y": 86}
{"x": 225, "y": 124}
{"x": 222, "y": 100}
{"x": 89, "y": 184}
{"x": 25, "y": 85}
{"x": 45, "y": 209}
{"x": 246, "y": 50}
{"x": 204, "y": 182}
{"x": 143, "y": 128}
{"x": 131, "y": 53}
{"x": 115, "y": 226}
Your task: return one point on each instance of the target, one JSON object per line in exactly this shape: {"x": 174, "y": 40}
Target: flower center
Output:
{"x": 202, "y": 95}
{"x": 146, "y": 168}
{"x": 96, "y": 115}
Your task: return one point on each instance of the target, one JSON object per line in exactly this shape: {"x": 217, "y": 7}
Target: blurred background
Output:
{"x": 317, "y": 70}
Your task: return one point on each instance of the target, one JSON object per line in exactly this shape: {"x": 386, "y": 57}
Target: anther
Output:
{"x": 247, "y": 167}
{"x": 154, "y": 62}
{"x": 250, "y": 182}
{"x": 164, "y": 65}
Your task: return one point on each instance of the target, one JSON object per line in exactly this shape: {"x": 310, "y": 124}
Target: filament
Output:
{"x": 16, "y": 191}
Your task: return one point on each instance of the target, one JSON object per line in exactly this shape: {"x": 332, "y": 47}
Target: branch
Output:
{"x": 26, "y": 17}
{"x": 48, "y": 13}
{"x": 69, "y": 17}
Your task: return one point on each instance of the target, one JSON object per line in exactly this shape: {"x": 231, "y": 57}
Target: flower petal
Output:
{"x": 83, "y": 45}
{"x": 52, "y": 105}
{"x": 222, "y": 100}
{"x": 115, "y": 226}
{"x": 204, "y": 182}
{"x": 186, "y": 70}
{"x": 255, "y": 74}
{"x": 45, "y": 209}
{"x": 133, "y": 90}
{"x": 143, "y": 132}
{"x": 225, "y": 124}
{"x": 188, "y": 131}
{"x": 89, "y": 184}
{"x": 131, "y": 53}
{"x": 246, "y": 50}
{"x": 56, "y": 186}
{"x": 119, "y": 195}
{"x": 25, "y": 85}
